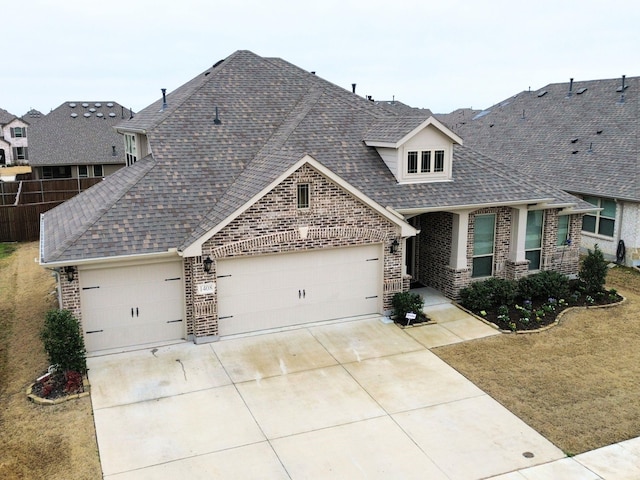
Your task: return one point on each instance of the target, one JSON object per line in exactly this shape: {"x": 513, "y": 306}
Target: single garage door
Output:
{"x": 133, "y": 305}
{"x": 258, "y": 293}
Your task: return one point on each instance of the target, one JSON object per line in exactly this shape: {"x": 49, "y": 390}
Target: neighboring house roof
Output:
{"x": 586, "y": 142}
{"x": 458, "y": 117}
{"x": 271, "y": 115}
{"x": 6, "y": 117}
{"x": 33, "y": 116}
{"x": 72, "y": 134}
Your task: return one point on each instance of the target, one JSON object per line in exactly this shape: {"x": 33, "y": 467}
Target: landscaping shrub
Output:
{"x": 63, "y": 342}
{"x": 545, "y": 284}
{"x": 593, "y": 271}
{"x": 488, "y": 294}
{"x": 406, "y": 302}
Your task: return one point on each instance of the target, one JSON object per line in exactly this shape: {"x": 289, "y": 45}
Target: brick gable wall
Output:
{"x": 275, "y": 225}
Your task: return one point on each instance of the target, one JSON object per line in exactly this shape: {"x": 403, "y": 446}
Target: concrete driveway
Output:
{"x": 355, "y": 399}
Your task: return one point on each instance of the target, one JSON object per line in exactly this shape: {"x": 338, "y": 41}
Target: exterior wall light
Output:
{"x": 70, "y": 271}
{"x": 207, "y": 264}
{"x": 394, "y": 246}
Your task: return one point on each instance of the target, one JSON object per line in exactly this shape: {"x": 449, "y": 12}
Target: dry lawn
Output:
{"x": 578, "y": 383}
{"x": 36, "y": 442}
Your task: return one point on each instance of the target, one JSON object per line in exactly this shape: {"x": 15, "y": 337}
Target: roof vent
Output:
{"x": 98, "y": 105}
{"x": 99, "y": 114}
{"x": 598, "y": 132}
{"x": 85, "y": 105}
{"x": 164, "y": 99}
{"x": 111, "y": 114}
{"x": 353, "y": 87}
{"x": 216, "y": 121}
{"x": 581, "y": 90}
{"x": 109, "y": 104}
{"x": 622, "y": 87}
{"x": 590, "y": 147}
{"x": 218, "y": 63}
{"x": 74, "y": 115}
{"x": 72, "y": 105}
{"x": 570, "y": 92}
{"x": 113, "y": 151}
{"x": 574, "y": 140}
{"x": 574, "y": 152}
{"x": 92, "y": 110}
{"x": 87, "y": 114}
{"x": 542, "y": 93}
{"x": 206, "y": 73}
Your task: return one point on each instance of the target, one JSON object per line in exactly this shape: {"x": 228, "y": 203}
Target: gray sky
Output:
{"x": 439, "y": 55}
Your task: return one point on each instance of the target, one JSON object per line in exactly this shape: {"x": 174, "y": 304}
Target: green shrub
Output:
{"x": 593, "y": 271}
{"x": 545, "y": 284}
{"x": 407, "y": 302}
{"x": 488, "y": 294}
{"x": 63, "y": 341}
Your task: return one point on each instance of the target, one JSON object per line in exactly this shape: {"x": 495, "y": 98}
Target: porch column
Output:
{"x": 459, "y": 235}
{"x": 518, "y": 234}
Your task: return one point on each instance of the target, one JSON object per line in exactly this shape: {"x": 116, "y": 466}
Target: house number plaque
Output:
{"x": 206, "y": 288}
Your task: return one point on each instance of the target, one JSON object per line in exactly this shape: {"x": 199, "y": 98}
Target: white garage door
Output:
{"x": 132, "y": 305}
{"x": 257, "y": 293}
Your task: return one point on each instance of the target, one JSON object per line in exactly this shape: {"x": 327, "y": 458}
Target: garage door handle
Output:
{"x": 299, "y": 294}
{"x": 131, "y": 312}
{"x": 304, "y": 293}
{"x": 136, "y": 311}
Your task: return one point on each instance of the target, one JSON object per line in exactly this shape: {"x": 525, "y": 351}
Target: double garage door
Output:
{"x": 132, "y": 305}
{"x": 258, "y": 293}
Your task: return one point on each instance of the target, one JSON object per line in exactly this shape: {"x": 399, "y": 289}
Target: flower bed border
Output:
{"x": 551, "y": 325}
{"x": 45, "y": 401}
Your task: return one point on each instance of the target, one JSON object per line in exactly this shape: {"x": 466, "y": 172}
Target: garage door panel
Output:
{"x": 256, "y": 293}
{"x": 132, "y": 305}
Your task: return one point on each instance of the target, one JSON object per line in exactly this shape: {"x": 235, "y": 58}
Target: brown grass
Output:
{"x": 53, "y": 442}
{"x": 576, "y": 384}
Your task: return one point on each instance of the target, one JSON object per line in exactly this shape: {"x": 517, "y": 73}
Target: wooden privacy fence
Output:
{"x": 21, "y": 204}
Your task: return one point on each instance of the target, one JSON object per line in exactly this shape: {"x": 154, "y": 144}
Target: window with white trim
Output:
{"x": 533, "y": 240}
{"x": 131, "y": 153}
{"x": 83, "y": 171}
{"x": 98, "y": 171}
{"x": 20, "y": 153}
{"x": 303, "y": 196}
{"x": 425, "y": 166}
{"x": 603, "y": 221}
{"x": 18, "y": 132}
{"x": 563, "y": 231}
{"x": 484, "y": 232}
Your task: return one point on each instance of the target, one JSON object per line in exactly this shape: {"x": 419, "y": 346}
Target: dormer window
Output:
{"x": 425, "y": 165}
{"x": 131, "y": 153}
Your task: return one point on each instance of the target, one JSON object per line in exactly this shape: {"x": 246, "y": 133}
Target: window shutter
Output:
{"x": 26, "y": 153}
{"x": 13, "y": 133}
{"x": 24, "y": 132}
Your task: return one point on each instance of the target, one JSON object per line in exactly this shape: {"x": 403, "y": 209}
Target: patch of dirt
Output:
{"x": 52, "y": 442}
{"x": 576, "y": 383}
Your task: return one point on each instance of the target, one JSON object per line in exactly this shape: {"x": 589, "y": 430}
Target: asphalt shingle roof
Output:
{"x": 77, "y": 136}
{"x": 271, "y": 114}
{"x": 5, "y": 117}
{"x": 583, "y": 143}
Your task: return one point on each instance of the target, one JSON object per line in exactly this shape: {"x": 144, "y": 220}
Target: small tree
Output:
{"x": 63, "y": 342}
{"x": 593, "y": 271}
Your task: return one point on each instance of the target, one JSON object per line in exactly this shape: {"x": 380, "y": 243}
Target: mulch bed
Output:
{"x": 55, "y": 386}
{"x": 518, "y": 322}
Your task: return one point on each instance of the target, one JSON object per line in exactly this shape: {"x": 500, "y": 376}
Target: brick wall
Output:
{"x": 433, "y": 249}
{"x": 275, "y": 224}
{"x": 70, "y": 294}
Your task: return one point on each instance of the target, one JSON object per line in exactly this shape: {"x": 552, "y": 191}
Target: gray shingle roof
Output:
{"x": 583, "y": 143}
{"x": 272, "y": 113}
{"x": 5, "y": 117}
{"x": 77, "y": 136}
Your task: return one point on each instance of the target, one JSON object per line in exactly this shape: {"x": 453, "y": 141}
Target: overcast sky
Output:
{"x": 440, "y": 55}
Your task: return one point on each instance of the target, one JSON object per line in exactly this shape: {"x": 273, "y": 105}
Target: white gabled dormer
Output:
{"x": 415, "y": 150}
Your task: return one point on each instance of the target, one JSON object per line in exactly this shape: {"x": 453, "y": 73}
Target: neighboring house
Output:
{"x": 77, "y": 140}
{"x": 580, "y": 136}
{"x": 13, "y": 140}
{"x": 260, "y": 195}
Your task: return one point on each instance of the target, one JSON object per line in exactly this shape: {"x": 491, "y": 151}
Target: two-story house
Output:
{"x": 14, "y": 144}
{"x": 259, "y": 195}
